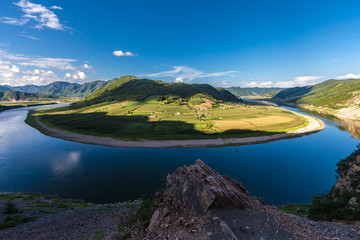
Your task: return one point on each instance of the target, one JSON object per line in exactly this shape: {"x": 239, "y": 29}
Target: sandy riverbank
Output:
{"x": 313, "y": 126}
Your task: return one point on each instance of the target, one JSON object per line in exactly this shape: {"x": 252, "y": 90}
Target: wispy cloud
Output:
{"x": 14, "y": 21}
{"x": 56, "y": 8}
{"x": 296, "y": 82}
{"x": 300, "y": 81}
{"x": 54, "y": 63}
{"x": 40, "y": 62}
{"x": 348, "y": 76}
{"x": 42, "y": 16}
{"x": 29, "y": 36}
{"x": 120, "y": 53}
{"x": 19, "y": 69}
{"x": 259, "y": 84}
{"x": 183, "y": 74}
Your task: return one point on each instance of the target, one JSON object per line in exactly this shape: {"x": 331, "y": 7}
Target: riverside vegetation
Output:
{"x": 133, "y": 109}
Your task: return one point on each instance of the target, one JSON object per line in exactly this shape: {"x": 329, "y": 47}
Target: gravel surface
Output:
{"x": 70, "y": 224}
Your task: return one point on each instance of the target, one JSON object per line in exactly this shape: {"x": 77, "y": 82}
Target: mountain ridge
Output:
{"x": 61, "y": 88}
{"x": 256, "y": 91}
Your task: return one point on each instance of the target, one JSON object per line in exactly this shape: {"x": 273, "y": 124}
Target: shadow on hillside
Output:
{"x": 293, "y": 93}
{"x": 134, "y": 127}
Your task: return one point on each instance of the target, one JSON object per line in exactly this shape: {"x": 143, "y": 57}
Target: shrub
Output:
{"x": 11, "y": 208}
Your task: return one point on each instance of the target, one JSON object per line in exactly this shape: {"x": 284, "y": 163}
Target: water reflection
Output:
{"x": 66, "y": 162}
{"x": 351, "y": 126}
{"x": 289, "y": 170}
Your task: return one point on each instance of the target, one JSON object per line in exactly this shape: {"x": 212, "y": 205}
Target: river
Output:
{"x": 284, "y": 171}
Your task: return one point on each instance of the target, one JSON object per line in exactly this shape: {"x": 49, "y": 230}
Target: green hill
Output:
{"x": 339, "y": 98}
{"x": 135, "y": 89}
{"x": 334, "y": 94}
{"x": 24, "y": 96}
{"x": 256, "y": 91}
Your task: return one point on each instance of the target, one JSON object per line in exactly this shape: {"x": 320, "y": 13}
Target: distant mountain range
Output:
{"x": 340, "y": 98}
{"x": 24, "y": 96}
{"x": 135, "y": 89}
{"x": 63, "y": 89}
{"x": 256, "y": 91}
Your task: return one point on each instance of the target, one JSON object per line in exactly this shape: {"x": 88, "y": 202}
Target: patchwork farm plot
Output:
{"x": 160, "y": 121}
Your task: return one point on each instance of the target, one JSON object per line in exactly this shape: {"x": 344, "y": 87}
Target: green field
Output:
{"x": 159, "y": 121}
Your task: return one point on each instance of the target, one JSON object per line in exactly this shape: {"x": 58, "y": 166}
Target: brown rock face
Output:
{"x": 202, "y": 189}
{"x": 199, "y": 203}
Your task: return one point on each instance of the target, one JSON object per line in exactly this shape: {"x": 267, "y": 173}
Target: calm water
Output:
{"x": 285, "y": 171}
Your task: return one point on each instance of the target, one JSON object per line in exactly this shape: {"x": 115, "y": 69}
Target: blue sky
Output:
{"x": 224, "y": 43}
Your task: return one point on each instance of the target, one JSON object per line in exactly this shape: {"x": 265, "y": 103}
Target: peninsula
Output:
{"x": 132, "y": 112}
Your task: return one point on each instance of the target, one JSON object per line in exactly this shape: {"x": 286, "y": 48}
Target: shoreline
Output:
{"x": 313, "y": 126}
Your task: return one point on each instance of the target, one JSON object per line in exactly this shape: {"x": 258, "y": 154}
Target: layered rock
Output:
{"x": 199, "y": 203}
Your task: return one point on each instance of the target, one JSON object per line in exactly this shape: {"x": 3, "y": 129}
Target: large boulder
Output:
{"x": 199, "y": 203}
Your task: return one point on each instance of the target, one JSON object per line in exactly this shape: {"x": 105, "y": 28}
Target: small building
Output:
{"x": 177, "y": 113}
{"x": 151, "y": 116}
{"x": 222, "y": 107}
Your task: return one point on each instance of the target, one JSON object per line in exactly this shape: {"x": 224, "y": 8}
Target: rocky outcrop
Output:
{"x": 347, "y": 176}
{"x": 199, "y": 203}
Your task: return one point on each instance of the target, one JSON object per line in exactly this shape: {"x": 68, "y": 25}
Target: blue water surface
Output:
{"x": 285, "y": 171}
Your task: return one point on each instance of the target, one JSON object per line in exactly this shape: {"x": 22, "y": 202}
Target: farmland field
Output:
{"x": 159, "y": 121}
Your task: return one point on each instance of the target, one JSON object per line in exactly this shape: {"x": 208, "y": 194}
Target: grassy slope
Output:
{"x": 130, "y": 120}
{"x": 334, "y": 94}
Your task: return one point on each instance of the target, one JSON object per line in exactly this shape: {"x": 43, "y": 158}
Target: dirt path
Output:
{"x": 313, "y": 126}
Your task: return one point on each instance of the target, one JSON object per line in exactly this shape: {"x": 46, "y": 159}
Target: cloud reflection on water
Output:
{"x": 66, "y": 162}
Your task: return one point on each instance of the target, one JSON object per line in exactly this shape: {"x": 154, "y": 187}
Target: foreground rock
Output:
{"x": 199, "y": 203}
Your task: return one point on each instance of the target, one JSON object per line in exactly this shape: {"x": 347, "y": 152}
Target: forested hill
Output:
{"x": 135, "y": 89}
{"x": 23, "y": 96}
{"x": 256, "y": 91}
{"x": 339, "y": 98}
{"x": 331, "y": 93}
{"x": 63, "y": 89}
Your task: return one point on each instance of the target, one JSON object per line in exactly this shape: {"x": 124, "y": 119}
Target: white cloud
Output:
{"x": 7, "y": 70}
{"x": 183, "y": 73}
{"x": 300, "y": 81}
{"x": 41, "y": 15}
{"x": 37, "y": 72}
{"x": 259, "y": 84}
{"x": 86, "y": 66}
{"x": 348, "y": 76}
{"x": 18, "y": 69}
{"x": 56, "y": 8}
{"x": 78, "y": 75}
{"x": 120, "y": 53}
{"x": 37, "y": 77}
